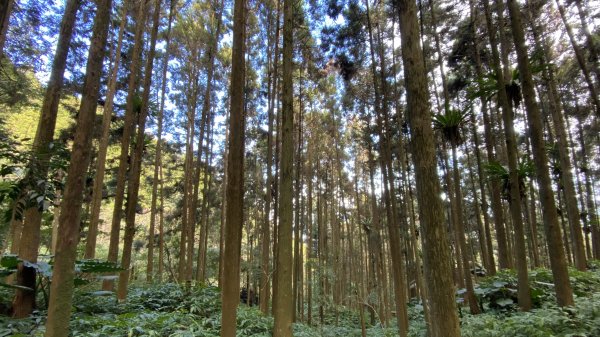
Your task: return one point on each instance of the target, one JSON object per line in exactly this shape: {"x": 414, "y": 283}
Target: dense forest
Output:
{"x": 299, "y": 168}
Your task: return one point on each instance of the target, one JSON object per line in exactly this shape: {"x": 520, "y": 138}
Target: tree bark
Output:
{"x": 128, "y": 130}
{"x": 61, "y": 288}
{"x": 591, "y": 205}
{"x": 438, "y": 273}
{"x": 136, "y": 166}
{"x": 235, "y": 177}
{"x": 580, "y": 59}
{"x": 158, "y": 154}
{"x": 283, "y": 308}
{"x": 90, "y": 244}
{"x": 564, "y": 293}
{"x": 6, "y": 8}
{"x": 24, "y": 301}
{"x": 566, "y": 176}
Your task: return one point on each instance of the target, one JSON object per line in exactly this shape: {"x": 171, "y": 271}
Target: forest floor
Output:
{"x": 170, "y": 310}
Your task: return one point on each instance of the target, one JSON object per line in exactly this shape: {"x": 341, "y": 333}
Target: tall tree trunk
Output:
{"x": 161, "y": 232}
{"x": 235, "y": 177}
{"x": 224, "y": 203}
{"x": 381, "y": 107}
{"x": 593, "y": 47}
{"x": 29, "y": 244}
{"x": 436, "y": 256}
{"x": 591, "y": 205}
{"x": 128, "y": 129}
{"x": 201, "y": 264}
{"x": 6, "y": 8}
{"x": 297, "y": 279}
{"x": 580, "y": 58}
{"x": 524, "y": 292}
{"x": 489, "y": 140}
{"x": 136, "y": 166}
{"x": 509, "y": 135}
{"x": 61, "y": 288}
{"x": 481, "y": 237}
{"x": 90, "y": 244}
{"x": 566, "y": 176}
{"x": 379, "y": 282}
{"x": 158, "y": 154}
{"x": 564, "y": 293}
{"x": 283, "y": 308}
{"x": 473, "y": 305}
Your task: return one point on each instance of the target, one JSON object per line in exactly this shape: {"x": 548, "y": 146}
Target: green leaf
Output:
{"x": 503, "y": 302}
{"x": 9, "y": 261}
{"x": 102, "y": 293}
{"x": 97, "y": 266}
{"x": 500, "y": 284}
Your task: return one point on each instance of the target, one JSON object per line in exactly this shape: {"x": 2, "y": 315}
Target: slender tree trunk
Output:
{"x": 564, "y": 293}
{"x": 309, "y": 241}
{"x": 477, "y": 214}
{"x": 212, "y": 51}
{"x": 136, "y": 166}
{"x": 61, "y": 289}
{"x": 438, "y": 272}
{"x": 473, "y": 305}
{"x": 158, "y": 154}
{"x": 29, "y": 244}
{"x": 381, "y": 98}
{"x": 509, "y": 136}
{"x": 566, "y": 176}
{"x": 6, "y": 8}
{"x": 90, "y": 244}
{"x": 161, "y": 236}
{"x": 128, "y": 129}
{"x": 593, "y": 47}
{"x": 524, "y": 292}
{"x": 201, "y": 264}
{"x": 235, "y": 177}
{"x": 580, "y": 58}
{"x": 591, "y": 205}
{"x": 283, "y": 309}
{"x": 489, "y": 140}
{"x": 224, "y": 203}
{"x": 378, "y": 280}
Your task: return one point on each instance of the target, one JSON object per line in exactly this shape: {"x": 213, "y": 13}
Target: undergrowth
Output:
{"x": 175, "y": 311}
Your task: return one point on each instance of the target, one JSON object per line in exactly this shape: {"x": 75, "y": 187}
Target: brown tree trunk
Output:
{"x": 283, "y": 308}
{"x": 61, "y": 289}
{"x": 378, "y": 280}
{"x": 90, "y": 244}
{"x": 524, "y": 292}
{"x": 6, "y": 8}
{"x": 489, "y": 140}
{"x": 161, "y": 232}
{"x": 436, "y": 256}
{"x": 460, "y": 226}
{"x": 158, "y": 154}
{"x": 509, "y": 135}
{"x": 564, "y": 293}
{"x": 591, "y": 205}
{"x": 381, "y": 107}
{"x": 128, "y": 129}
{"x": 235, "y": 177}
{"x": 566, "y": 176}
{"x": 24, "y": 301}
{"x": 593, "y": 47}
{"x": 580, "y": 59}
{"x": 136, "y": 159}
